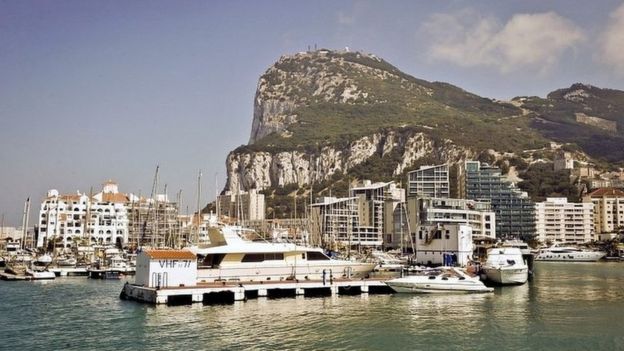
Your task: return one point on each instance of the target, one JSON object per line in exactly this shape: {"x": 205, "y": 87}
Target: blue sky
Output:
{"x": 92, "y": 90}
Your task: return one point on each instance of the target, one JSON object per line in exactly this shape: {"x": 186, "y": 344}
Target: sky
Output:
{"x": 97, "y": 90}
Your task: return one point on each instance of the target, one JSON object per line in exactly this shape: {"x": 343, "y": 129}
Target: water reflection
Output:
{"x": 566, "y": 306}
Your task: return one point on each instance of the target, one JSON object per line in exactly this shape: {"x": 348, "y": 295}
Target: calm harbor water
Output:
{"x": 567, "y": 306}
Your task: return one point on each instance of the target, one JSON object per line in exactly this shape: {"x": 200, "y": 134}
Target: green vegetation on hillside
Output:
{"x": 541, "y": 181}
{"x": 389, "y": 99}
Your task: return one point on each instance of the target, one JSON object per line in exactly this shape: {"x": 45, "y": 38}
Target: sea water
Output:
{"x": 566, "y": 306}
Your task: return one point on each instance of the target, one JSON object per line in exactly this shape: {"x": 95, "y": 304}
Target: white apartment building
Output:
{"x": 560, "y": 221}
{"x": 72, "y": 218}
{"x": 430, "y": 181}
{"x": 194, "y": 231}
{"x": 424, "y": 212}
{"x": 608, "y": 209}
{"x": 361, "y": 219}
{"x": 243, "y": 205}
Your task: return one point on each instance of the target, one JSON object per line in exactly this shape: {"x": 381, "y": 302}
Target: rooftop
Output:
{"x": 170, "y": 254}
{"x": 608, "y": 192}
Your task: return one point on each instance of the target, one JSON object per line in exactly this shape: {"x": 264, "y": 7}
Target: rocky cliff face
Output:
{"x": 330, "y": 116}
{"x": 305, "y": 78}
{"x": 263, "y": 170}
{"x": 318, "y": 115}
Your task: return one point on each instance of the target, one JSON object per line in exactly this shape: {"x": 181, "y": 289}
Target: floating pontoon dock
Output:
{"x": 228, "y": 292}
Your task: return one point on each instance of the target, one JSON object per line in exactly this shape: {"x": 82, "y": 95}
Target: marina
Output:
{"x": 579, "y": 302}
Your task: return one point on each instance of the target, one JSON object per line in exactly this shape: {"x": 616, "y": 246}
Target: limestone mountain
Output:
{"x": 325, "y": 115}
{"x": 323, "y": 118}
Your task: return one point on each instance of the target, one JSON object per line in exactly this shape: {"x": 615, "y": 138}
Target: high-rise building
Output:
{"x": 560, "y": 221}
{"x": 515, "y": 212}
{"x": 243, "y": 205}
{"x": 154, "y": 222}
{"x": 361, "y": 219}
{"x": 334, "y": 221}
{"x": 429, "y": 181}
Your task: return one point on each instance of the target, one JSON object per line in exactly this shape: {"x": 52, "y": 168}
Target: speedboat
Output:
{"x": 66, "y": 262}
{"x": 439, "y": 280}
{"x": 505, "y": 265}
{"x": 230, "y": 256}
{"x": 569, "y": 254}
{"x": 387, "y": 264}
{"x": 40, "y": 275}
{"x": 43, "y": 260}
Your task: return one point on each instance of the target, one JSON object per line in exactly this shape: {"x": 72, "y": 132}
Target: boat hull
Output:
{"x": 507, "y": 275}
{"x": 571, "y": 257}
{"x": 40, "y": 275}
{"x": 441, "y": 283}
{"x": 425, "y": 288}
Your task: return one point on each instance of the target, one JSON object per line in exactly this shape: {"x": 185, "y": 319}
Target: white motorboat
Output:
{"x": 439, "y": 280}
{"x": 43, "y": 260}
{"x": 66, "y": 261}
{"x": 387, "y": 263}
{"x": 524, "y": 247}
{"x": 505, "y": 265}
{"x": 569, "y": 254}
{"x": 230, "y": 257}
{"x": 40, "y": 275}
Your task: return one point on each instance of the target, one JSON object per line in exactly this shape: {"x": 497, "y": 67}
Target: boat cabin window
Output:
{"x": 274, "y": 256}
{"x": 211, "y": 260}
{"x": 316, "y": 256}
{"x": 260, "y": 257}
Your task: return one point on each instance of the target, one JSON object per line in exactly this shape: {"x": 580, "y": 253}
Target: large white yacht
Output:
{"x": 569, "y": 254}
{"x": 232, "y": 257}
{"x": 438, "y": 280}
{"x": 505, "y": 265}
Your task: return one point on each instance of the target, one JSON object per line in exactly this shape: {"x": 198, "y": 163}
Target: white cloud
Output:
{"x": 535, "y": 41}
{"x": 612, "y": 41}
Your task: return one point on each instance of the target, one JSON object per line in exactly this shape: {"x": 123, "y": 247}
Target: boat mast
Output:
{"x": 401, "y": 224}
{"x": 154, "y": 226}
{"x": 218, "y": 213}
{"x": 198, "y": 207}
{"x": 85, "y": 229}
{"x": 166, "y": 218}
{"x": 178, "y": 229}
{"x": 25, "y": 222}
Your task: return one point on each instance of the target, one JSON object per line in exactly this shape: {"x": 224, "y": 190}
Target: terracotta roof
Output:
{"x": 171, "y": 254}
{"x": 70, "y": 197}
{"x": 608, "y": 192}
{"x": 115, "y": 197}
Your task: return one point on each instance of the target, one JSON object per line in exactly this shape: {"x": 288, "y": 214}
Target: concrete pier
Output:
{"x": 228, "y": 292}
